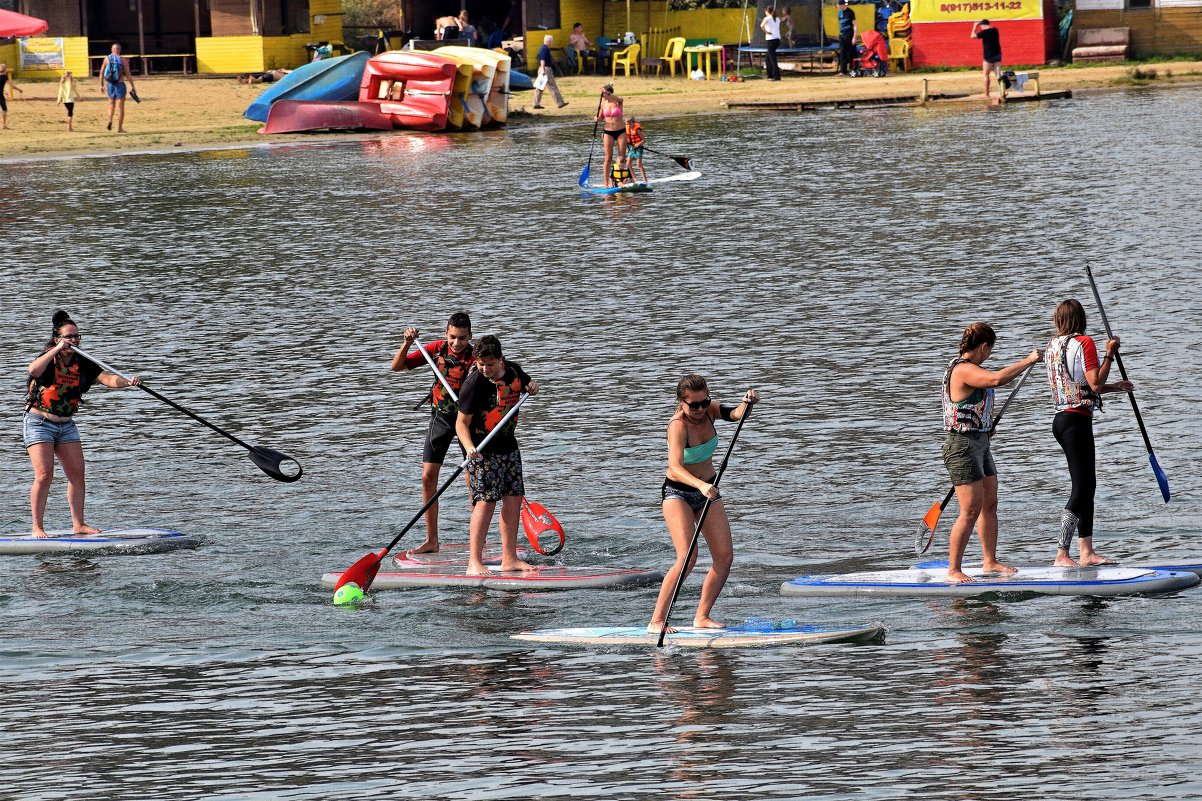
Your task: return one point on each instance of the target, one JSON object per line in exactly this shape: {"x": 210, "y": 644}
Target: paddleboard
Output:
{"x": 113, "y": 540}
{"x": 749, "y": 635}
{"x": 550, "y": 577}
{"x": 1028, "y": 580}
{"x": 454, "y": 553}
{"x": 1181, "y": 567}
{"x": 691, "y": 175}
{"x": 617, "y": 190}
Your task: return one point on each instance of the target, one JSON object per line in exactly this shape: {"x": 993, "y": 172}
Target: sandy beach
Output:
{"x": 200, "y": 112}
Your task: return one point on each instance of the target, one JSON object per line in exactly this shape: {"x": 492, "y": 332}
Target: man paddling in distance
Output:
{"x": 488, "y": 393}
{"x": 453, "y": 358}
{"x": 968, "y": 391}
{"x": 688, "y": 484}
{"x": 58, "y": 379}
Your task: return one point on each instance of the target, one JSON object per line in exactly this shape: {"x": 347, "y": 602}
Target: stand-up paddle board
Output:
{"x": 1028, "y": 580}
{"x": 112, "y": 540}
{"x": 691, "y": 175}
{"x": 616, "y": 190}
{"x": 1181, "y": 567}
{"x": 752, "y": 634}
{"x": 552, "y": 577}
{"x": 454, "y": 553}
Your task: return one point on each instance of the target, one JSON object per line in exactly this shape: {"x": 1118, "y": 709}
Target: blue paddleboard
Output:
{"x": 1028, "y": 580}
{"x": 112, "y": 541}
{"x": 617, "y": 190}
{"x": 751, "y": 634}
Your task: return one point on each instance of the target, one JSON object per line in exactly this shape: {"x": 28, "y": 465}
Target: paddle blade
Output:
{"x": 687, "y": 163}
{"x": 362, "y": 572}
{"x": 926, "y": 529}
{"x": 584, "y": 176}
{"x": 1161, "y": 478}
{"x": 271, "y": 461}
{"x": 537, "y": 522}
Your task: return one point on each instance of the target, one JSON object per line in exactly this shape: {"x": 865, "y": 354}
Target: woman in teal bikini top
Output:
{"x": 687, "y": 489}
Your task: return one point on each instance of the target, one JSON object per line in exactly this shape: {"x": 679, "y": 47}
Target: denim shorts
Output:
{"x": 39, "y": 429}
{"x": 683, "y": 492}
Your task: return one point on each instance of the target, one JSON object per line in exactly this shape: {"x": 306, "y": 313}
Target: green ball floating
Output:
{"x": 348, "y": 594}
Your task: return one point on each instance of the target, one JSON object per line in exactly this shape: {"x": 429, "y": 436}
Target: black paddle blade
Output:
{"x": 687, "y": 163}
{"x": 269, "y": 461}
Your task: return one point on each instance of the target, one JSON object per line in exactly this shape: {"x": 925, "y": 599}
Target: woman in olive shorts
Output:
{"x": 968, "y": 420}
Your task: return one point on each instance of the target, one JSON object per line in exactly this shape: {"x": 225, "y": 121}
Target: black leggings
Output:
{"x": 1074, "y": 432}
{"x": 770, "y": 59}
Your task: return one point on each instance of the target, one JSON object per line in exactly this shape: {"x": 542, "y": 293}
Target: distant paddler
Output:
{"x": 58, "y": 379}
{"x": 452, "y": 358}
{"x": 968, "y": 391}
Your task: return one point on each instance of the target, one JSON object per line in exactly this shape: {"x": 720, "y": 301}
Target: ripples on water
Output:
{"x": 830, "y": 259}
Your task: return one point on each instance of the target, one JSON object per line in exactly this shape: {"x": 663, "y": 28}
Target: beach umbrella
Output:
{"x": 14, "y": 24}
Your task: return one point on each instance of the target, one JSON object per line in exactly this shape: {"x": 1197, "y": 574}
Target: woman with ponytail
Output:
{"x": 968, "y": 420}
{"x": 58, "y": 378}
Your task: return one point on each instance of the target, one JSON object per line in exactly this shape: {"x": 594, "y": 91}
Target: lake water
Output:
{"x": 830, "y": 259}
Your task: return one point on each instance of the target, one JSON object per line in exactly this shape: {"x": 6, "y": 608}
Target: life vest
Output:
{"x": 634, "y": 134}
{"x": 59, "y": 388}
{"x": 620, "y": 174}
{"x": 508, "y": 395}
{"x": 455, "y": 370}
{"x": 1067, "y": 393}
{"x": 974, "y": 413}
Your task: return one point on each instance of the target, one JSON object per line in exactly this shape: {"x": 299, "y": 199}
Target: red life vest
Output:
{"x": 455, "y": 369}
{"x": 58, "y": 390}
{"x": 634, "y": 134}
{"x": 508, "y": 395}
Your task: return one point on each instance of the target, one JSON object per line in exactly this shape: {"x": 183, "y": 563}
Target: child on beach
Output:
{"x": 67, "y": 95}
{"x": 634, "y": 148}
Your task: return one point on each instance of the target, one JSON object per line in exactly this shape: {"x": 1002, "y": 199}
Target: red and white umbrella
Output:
{"x": 14, "y": 24}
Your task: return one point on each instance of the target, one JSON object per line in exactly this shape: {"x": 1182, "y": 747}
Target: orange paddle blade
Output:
{"x": 362, "y": 572}
{"x": 931, "y": 519}
{"x": 537, "y": 521}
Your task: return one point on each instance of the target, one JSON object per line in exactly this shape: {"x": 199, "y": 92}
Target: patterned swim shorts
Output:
{"x": 495, "y": 476}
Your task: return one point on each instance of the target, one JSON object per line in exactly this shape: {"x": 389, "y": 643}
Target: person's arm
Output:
{"x": 970, "y": 375}
{"x": 976, "y": 28}
{"x": 463, "y": 430}
{"x": 129, "y": 76}
{"x": 39, "y": 365}
{"x": 399, "y": 361}
{"x": 528, "y": 383}
{"x": 1098, "y": 376}
{"x": 734, "y": 414}
{"x": 114, "y": 381}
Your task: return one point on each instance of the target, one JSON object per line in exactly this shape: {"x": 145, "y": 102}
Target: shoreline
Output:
{"x": 210, "y": 117}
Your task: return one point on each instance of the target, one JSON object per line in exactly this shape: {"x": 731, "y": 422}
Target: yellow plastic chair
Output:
{"x": 673, "y": 56}
{"x": 628, "y": 59}
{"x": 899, "y": 51}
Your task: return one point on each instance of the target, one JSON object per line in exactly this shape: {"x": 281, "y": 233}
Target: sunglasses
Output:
{"x": 698, "y": 405}
{"x": 71, "y": 337}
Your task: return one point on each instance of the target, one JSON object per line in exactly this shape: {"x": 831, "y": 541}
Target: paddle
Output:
{"x": 683, "y": 161}
{"x": 1161, "y": 478}
{"x": 705, "y": 510}
{"x": 926, "y": 529}
{"x": 364, "y": 571}
{"x": 592, "y": 145}
{"x": 268, "y": 460}
{"x": 536, "y": 520}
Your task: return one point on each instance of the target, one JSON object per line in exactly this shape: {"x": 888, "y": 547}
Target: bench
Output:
{"x": 1102, "y": 44}
{"x": 146, "y": 61}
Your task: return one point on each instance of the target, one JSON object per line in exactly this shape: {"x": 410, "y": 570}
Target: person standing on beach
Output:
{"x": 546, "y": 75}
{"x": 68, "y": 93}
{"x": 1078, "y": 380}
{"x": 847, "y": 37}
{"x": 770, "y": 25}
{"x": 58, "y": 379}
{"x": 113, "y": 76}
{"x": 453, "y": 359}
{"x": 689, "y": 484}
{"x": 6, "y": 79}
{"x": 991, "y": 46}
{"x": 490, "y": 390}
{"x": 968, "y": 391}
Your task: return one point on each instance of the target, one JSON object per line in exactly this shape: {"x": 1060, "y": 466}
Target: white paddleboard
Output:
{"x": 691, "y": 175}
{"x": 111, "y": 541}
{"x": 1180, "y": 567}
{"x": 551, "y": 577}
{"x": 1028, "y": 580}
{"x": 454, "y": 553}
{"x": 749, "y": 635}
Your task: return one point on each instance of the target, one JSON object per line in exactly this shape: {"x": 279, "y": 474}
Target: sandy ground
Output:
{"x": 200, "y": 112}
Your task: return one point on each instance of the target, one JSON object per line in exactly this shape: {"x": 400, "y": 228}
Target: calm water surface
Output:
{"x": 830, "y": 259}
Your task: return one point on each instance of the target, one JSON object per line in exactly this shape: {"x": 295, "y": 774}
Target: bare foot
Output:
{"x": 40, "y": 534}
{"x": 1094, "y": 560}
{"x": 707, "y": 623}
{"x": 1064, "y": 561}
{"x": 85, "y": 530}
{"x": 477, "y": 569}
{"x": 429, "y": 546}
{"x": 655, "y": 626}
{"x": 515, "y": 566}
{"x": 998, "y": 567}
{"x": 958, "y": 577}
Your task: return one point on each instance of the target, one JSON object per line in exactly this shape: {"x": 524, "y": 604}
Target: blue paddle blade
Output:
{"x": 584, "y": 176}
{"x": 1161, "y": 478}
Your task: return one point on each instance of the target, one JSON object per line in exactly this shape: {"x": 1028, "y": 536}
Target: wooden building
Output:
{"x": 1157, "y": 27}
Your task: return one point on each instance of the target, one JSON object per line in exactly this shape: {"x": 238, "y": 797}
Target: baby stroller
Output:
{"x": 872, "y": 57}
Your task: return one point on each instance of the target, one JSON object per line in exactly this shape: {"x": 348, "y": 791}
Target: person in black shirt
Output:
{"x": 847, "y": 35}
{"x": 992, "y": 46}
{"x": 488, "y": 393}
